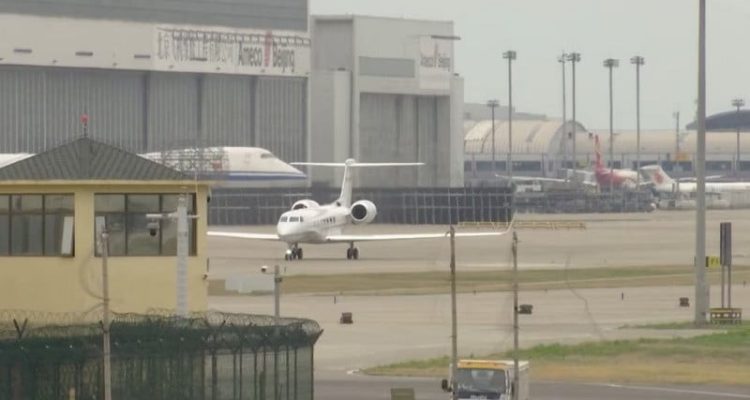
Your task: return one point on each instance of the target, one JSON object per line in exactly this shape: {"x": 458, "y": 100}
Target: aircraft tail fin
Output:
{"x": 656, "y": 174}
{"x": 345, "y": 198}
{"x": 598, "y": 153}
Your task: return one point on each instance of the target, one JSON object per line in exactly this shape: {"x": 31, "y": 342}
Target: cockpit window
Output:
{"x": 284, "y": 219}
{"x": 294, "y": 219}
{"x": 267, "y": 155}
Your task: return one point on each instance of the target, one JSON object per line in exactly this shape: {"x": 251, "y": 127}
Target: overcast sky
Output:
{"x": 665, "y": 32}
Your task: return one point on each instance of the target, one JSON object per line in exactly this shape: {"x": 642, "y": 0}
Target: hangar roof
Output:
{"x": 665, "y": 141}
{"x": 529, "y": 136}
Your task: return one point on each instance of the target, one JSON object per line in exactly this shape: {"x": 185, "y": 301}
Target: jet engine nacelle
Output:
{"x": 302, "y": 204}
{"x": 363, "y": 212}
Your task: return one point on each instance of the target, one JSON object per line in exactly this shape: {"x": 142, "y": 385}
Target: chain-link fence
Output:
{"x": 395, "y": 206}
{"x": 211, "y": 356}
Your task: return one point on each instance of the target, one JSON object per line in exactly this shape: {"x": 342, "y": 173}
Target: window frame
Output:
{"x": 43, "y": 213}
{"x": 126, "y": 214}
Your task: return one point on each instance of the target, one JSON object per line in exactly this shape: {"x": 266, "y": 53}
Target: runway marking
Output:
{"x": 660, "y": 389}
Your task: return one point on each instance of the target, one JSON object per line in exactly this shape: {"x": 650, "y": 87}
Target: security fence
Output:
{"x": 206, "y": 356}
{"x": 395, "y": 206}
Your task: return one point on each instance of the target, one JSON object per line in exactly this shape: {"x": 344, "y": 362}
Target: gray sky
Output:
{"x": 662, "y": 31}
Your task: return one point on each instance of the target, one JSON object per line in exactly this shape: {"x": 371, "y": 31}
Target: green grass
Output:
{"x": 486, "y": 281}
{"x": 721, "y": 358}
{"x": 686, "y": 325}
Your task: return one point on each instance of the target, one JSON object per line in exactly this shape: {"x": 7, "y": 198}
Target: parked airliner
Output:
{"x": 232, "y": 167}
{"x": 674, "y": 194}
{"x": 311, "y": 223}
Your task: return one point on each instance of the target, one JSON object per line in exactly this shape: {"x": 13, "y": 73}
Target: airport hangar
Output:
{"x": 540, "y": 149}
{"x": 164, "y": 75}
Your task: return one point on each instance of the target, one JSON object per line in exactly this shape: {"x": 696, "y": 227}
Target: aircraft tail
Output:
{"x": 656, "y": 174}
{"x": 598, "y": 153}
{"x": 345, "y": 198}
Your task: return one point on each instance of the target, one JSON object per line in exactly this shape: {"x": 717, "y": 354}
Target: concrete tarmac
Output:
{"x": 610, "y": 240}
{"x": 389, "y": 329}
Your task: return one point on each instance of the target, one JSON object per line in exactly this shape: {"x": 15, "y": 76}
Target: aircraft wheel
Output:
{"x": 348, "y": 254}
{"x": 299, "y": 254}
{"x": 355, "y": 253}
{"x": 287, "y": 257}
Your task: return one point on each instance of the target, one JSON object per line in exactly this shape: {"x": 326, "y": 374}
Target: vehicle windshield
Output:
{"x": 472, "y": 382}
{"x": 284, "y": 218}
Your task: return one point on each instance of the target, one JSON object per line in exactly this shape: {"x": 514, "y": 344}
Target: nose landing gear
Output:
{"x": 352, "y": 253}
{"x": 293, "y": 253}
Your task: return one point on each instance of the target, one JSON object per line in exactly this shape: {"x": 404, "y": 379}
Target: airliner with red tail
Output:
{"x": 614, "y": 178}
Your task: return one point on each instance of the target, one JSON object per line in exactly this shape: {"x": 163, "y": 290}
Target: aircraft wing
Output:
{"x": 408, "y": 236}
{"x": 239, "y": 235}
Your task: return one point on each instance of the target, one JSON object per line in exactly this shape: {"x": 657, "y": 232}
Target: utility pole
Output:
{"x": 104, "y": 243}
{"x": 454, "y": 316}
{"x": 574, "y": 58}
{"x": 638, "y": 61}
{"x": 493, "y": 104}
{"x": 611, "y": 64}
{"x": 701, "y": 287}
{"x": 562, "y": 60}
{"x": 739, "y": 103}
{"x": 510, "y": 55}
{"x": 515, "y": 316}
{"x": 182, "y": 256}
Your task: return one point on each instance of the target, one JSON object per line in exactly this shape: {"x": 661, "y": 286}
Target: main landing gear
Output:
{"x": 293, "y": 253}
{"x": 352, "y": 253}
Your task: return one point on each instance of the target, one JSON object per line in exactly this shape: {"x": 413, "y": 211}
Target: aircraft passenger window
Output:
{"x": 301, "y": 219}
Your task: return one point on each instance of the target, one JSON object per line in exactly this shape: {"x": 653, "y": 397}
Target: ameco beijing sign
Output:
{"x": 252, "y": 52}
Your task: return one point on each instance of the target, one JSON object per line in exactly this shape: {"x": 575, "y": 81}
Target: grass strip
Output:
{"x": 715, "y": 358}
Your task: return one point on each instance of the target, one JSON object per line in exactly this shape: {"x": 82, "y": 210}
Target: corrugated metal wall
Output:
{"x": 40, "y": 108}
{"x": 281, "y": 117}
{"x": 258, "y": 14}
{"x": 398, "y": 128}
{"x": 172, "y": 110}
{"x": 151, "y": 111}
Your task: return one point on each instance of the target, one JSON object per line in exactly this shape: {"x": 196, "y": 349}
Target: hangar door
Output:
{"x": 400, "y": 128}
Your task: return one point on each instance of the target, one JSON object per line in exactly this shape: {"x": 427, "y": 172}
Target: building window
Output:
{"x": 36, "y": 225}
{"x": 124, "y": 216}
{"x": 718, "y": 165}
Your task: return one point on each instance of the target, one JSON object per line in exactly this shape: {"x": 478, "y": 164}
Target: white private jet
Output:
{"x": 312, "y": 223}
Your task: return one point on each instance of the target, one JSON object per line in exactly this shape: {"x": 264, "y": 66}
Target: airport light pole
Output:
{"x": 638, "y": 61}
{"x": 562, "y": 59}
{"x": 739, "y": 103}
{"x": 493, "y": 104}
{"x": 611, "y": 64}
{"x": 510, "y": 55}
{"x": 574, "y": 58}
{"x": 454, "y": 317}
{"x": 515, "y": 316}
{"x": 277, "y": 279}
{"x": 701, "y": 287}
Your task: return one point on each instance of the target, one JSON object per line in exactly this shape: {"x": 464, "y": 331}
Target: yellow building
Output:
{"x": 50, "y": 205}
